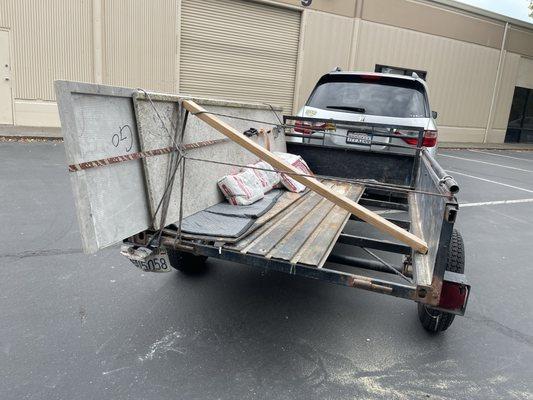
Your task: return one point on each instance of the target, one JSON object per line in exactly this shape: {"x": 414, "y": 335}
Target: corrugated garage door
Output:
{"x": 239, "y": 50}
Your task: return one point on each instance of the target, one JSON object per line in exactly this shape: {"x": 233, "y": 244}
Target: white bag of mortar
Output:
{"x": 241, "y": 189}
{"x": 298, "y": 162}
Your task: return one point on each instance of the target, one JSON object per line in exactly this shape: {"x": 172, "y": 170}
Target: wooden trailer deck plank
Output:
{"x": 287, "y": 248}
{"x": 308, "y": 230}
{"x": 318, "y": 247}
{"x": 282, "y": 208}
{"x": 280, "y": 227}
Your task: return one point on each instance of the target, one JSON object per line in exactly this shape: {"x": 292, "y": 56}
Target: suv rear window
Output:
{"x": 372, "y": 96}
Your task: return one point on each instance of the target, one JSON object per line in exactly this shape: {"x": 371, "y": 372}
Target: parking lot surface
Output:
{"x": 77, "y": 326}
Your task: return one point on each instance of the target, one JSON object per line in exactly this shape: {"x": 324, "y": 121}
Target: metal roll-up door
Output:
{"x": 239, "y": 50}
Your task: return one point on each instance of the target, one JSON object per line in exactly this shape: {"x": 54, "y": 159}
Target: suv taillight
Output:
{"x": 307, "y": 128}
{"x": 430, "y": 138}
{"x": 411, "y": 137}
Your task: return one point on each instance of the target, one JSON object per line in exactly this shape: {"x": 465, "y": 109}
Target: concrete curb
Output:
{"x": 9, "y": 131}
{"x": 30, "y": 139}
{"x": 487, "y": 146}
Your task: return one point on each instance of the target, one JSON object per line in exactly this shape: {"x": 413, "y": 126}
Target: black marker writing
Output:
{"x": 125, "y": 134}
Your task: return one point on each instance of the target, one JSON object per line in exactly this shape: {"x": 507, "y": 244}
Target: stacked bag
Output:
{"x": 251, "y": 184}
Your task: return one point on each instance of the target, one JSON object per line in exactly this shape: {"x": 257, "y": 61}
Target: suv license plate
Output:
{"x": 358, "y": 138}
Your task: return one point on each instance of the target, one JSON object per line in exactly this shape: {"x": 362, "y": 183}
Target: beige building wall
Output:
{"x": 429, "y": 17}
{"x": 504, "y": 100}
{"x": 520, "y": 41}
{"x": 525, "y": 73}
{"x": 119, "y": 42}
{"x": 50, "y": 39}
{"x": 339, "y": 7}
{"x": 327, "y": 41}
{"x": 137, "y": 43}
{"x": 460, "y": 76}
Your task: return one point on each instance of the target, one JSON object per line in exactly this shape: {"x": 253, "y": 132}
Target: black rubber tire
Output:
{"x": 438, "y": 321}
{"x": 187, "y": 263}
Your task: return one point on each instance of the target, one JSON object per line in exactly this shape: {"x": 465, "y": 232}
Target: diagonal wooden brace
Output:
{"x": 313, "y": 184}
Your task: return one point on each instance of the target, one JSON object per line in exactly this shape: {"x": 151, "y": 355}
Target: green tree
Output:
{"x": 530, "y": 8}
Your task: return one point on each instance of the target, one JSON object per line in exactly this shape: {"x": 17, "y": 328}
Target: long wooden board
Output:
{"x": 272, "y": 237}
{"x": 313, "y": 251}
{"x": 342, "y": 201}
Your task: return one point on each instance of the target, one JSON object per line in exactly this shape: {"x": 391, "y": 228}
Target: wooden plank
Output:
{"x": 297, "y": 237}
{"x": 287, "y": 247}
{"x": 319, "y": 245}
{"x": 283, "y": 206}
{"x": 349, "y": 205}
{"x": 355, "y": 195}
{"x": 271, "y": 225}
{"x": 272, "y": 237}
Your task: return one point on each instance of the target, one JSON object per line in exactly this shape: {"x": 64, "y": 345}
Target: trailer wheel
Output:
{"x": 434, "y": 320}
{"x": 187, "y": 263}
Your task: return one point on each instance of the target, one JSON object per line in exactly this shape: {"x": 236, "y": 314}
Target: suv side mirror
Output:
{"x": 434, "y": 114}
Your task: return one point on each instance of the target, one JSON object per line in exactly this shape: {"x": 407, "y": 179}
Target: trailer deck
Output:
{"x": 299, "y": 228}
{"x": 303, "y": 233}
{"x": 298, "y": 234}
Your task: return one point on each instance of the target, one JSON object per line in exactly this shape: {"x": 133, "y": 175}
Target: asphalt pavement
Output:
{"x": 75, "y": 326}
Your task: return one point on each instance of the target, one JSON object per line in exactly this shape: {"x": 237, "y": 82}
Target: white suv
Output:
{"x": 374, "y": 98}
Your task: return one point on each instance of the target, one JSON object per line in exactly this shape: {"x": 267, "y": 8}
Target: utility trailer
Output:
{"x": 318, "y": 234}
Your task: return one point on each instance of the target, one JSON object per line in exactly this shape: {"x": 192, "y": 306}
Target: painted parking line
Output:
{"x": 500, "y": 155}
{"x": 490, "y": 181}
{"x": 494, "y": 203}
{"x": 486, "y": 162}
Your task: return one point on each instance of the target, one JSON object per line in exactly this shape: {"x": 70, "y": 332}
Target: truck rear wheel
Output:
{"x": 187, "y": 263}
{"x": 438, "y": 321}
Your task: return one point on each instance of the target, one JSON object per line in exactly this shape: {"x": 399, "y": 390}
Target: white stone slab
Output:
{"x": 117, "y": 201}
{"x": 200, "y": 187}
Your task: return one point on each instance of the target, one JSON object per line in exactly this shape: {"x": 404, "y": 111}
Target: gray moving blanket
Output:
{"x": 210, "y": 224}
{"x": 226, "y": 220}
{"x": 254, "y": 210}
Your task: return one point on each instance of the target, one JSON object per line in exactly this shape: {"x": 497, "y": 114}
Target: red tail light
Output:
{"x": 307, "y": 128}
{"x": 302, "y": 127}
{"x": 430, "y": 138}
{"x": 411, "y": 137}
{"x": 453, "y": 296}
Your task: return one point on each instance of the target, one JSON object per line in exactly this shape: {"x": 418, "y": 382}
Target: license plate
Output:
{"x": 358, "y": 138}
{"x": 155, "y": 261}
